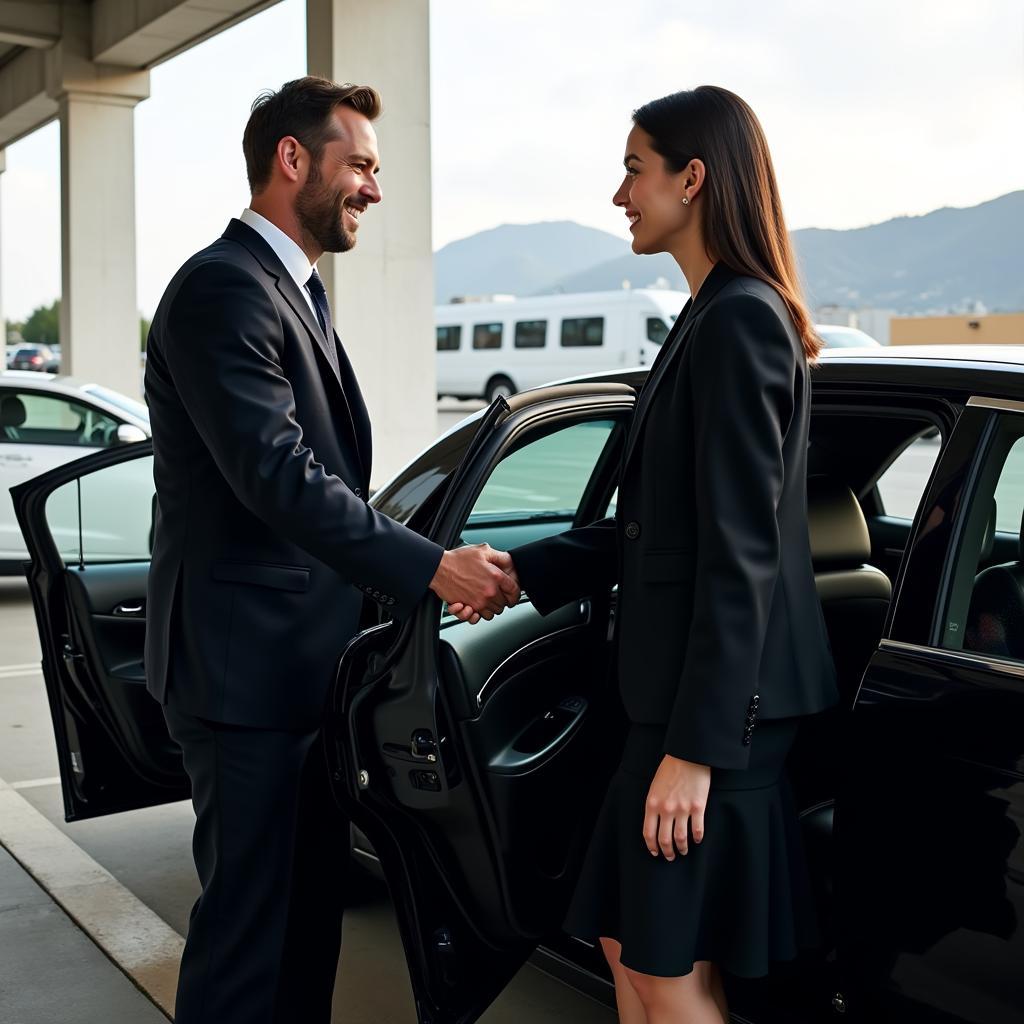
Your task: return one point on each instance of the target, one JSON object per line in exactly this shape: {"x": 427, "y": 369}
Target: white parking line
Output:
{"x": 17, "y": 671}
{"x": 138, "y": 941}
{"x": 35, "y": 783}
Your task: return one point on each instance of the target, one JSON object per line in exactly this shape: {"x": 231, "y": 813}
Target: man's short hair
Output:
{"x": 301, "y": 108}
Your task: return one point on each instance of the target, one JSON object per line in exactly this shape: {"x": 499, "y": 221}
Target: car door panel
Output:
{"x": 474, "y": 757}
{"x": 108, "y": 635}
{"x": 112, "y": 743}
{"x": 930, "y": 812}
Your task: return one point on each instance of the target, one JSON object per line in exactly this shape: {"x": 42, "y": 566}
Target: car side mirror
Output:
{"x": 128, "y": 433}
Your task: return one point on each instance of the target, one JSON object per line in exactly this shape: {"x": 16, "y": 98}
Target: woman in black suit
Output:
{"x": 695, "y": 865}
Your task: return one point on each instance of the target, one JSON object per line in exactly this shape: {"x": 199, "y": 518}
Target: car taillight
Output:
{"x": 36, "y": 359}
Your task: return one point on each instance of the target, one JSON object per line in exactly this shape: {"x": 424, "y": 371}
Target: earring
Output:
{"x": 686, "y": 200}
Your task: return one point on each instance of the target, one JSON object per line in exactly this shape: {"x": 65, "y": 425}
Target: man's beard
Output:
{"x": 320, "y": 215}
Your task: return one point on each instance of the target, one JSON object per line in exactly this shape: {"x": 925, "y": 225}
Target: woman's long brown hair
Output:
{"x": 742, "y": 212}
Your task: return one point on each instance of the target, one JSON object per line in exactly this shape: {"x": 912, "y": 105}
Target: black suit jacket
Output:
{"x": 263, "y": 542}
{"x": 710, "y": 546}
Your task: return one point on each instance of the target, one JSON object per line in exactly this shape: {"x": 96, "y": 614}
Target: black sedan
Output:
{"x": 473, "y": 757}
{"x": 34, "y": 357}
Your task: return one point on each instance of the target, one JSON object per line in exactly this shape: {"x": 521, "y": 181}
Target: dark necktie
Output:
{"x": 323, "y": 313}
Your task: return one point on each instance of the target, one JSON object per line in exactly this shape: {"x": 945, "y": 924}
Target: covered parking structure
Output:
{"x": 86, "y": 63}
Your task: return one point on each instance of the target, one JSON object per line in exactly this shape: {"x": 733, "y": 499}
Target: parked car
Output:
{"x": 486, "y": 349}
{"x": 838, "y": 336}
{"x": 472, "y": 758}
{"x": 46, "y": 421}
{"x": 32, "y": 357}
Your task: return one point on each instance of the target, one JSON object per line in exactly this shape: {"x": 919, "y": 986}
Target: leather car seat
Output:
{"x": 854, "y": 595}
{"x": 12, "y": 415}
{"x": 854, "y": 599}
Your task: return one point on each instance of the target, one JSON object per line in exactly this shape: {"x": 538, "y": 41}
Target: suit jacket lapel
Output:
{"x": 240, "y": 232}
{"x": 672, "y": 346}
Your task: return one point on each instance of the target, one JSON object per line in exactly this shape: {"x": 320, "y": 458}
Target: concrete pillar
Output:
{"x": 99, "y": 313}
{"x": 382, "y": 292}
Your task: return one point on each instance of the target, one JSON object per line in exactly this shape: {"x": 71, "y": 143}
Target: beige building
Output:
{"x": 987, "y": 329}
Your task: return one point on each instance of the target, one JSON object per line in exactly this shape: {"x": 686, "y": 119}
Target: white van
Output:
{"x": 485, "y": 349}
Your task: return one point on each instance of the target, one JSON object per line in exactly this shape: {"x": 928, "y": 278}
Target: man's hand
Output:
{"x": 474, "y": 583}
{"x": 677, "y": 798}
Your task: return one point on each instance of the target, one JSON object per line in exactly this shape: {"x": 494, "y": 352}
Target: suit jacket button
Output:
{"x": 358, "y": 492}
{"x": 632, "y": 530}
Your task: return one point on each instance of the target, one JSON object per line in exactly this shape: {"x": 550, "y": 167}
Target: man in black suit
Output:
{"x": 264, "y": 547}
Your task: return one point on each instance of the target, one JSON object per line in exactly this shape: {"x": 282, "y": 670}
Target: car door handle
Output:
{"x": 133, "y": 610}
{"x": 17, "y": 458}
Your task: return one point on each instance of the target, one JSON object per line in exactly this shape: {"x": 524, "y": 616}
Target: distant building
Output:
{"x": 959, "y": 329}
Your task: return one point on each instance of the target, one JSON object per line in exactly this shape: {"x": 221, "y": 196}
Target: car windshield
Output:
{"x": 119, "y": 401}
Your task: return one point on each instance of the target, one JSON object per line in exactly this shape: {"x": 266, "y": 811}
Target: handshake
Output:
{"x": 476, "y": 582}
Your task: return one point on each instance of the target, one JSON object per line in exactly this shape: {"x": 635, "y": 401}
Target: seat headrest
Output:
{"x": 12, "y": 411}
{"x": 839, "y": 532}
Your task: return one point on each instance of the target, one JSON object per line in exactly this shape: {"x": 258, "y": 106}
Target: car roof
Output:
{"x": 949, "y": 354}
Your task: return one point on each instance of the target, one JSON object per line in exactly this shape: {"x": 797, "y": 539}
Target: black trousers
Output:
{"x": 271, "y": 849}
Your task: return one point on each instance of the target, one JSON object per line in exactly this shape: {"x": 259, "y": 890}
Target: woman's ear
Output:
{"x": 694, "y": 175}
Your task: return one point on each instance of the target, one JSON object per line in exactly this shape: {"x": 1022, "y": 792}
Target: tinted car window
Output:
{"x": 449, "y": 338}
{"x": 30, "y": 417}
{"x": 984, "y": 611}
{"x": 583, "y": 331}
{"x": 487, "y": 335}
{"x": 531, "y": 333}
{"x": 657, "y": 330}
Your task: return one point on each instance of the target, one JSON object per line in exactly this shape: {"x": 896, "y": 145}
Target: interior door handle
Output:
{"x": 133, "y": 609}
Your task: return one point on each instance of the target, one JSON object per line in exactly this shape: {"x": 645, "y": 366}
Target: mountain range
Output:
{"x": 949, "y": 260}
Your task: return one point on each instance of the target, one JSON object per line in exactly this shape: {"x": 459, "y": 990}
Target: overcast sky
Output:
{"x": 872, "y": 110}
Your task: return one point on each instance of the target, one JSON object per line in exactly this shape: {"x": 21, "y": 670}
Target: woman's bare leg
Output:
{"x": 631, "y": 1010}
{"x": 695, "y": 998}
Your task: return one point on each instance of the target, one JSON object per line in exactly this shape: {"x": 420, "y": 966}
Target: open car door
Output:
{"x": 475, "y": 757}
{"x": 88, "y": 528}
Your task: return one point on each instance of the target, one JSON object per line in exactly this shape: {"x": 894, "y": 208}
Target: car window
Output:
{"x": 984, "y": 611}
{"x": 30, "y": 417}
{"x": 531, "y": 333}
{"x": 901, "y": 486}
{"x": 536, "y": 490}
{"x": 657, "y": 330}
{"x": 487, "y": 335}
{"x": 106, "y": 515}
{"x": 449, "y": 338}
{"x": 583, "y": 331}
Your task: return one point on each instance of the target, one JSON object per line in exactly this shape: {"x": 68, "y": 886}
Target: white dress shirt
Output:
{"x": 286, "y": 250}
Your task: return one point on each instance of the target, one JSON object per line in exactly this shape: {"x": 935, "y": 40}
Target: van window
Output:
{"x": 487, "y": 335}
{"x": 531, "y": 333}
{"x": 657, "y": 330}
{"x": 449, "y": 339}
{"x": 583, "y": 331}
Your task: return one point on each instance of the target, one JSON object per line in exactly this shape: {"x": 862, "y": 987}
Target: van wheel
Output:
{"x": 499, "y": 386}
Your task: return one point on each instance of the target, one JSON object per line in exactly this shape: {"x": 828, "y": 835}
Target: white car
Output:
{"x": 837, "y": 336}
{"x": 46, "y": 421}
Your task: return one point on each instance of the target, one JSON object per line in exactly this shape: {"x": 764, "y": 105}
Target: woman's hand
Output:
{"x": 677, "y": 798}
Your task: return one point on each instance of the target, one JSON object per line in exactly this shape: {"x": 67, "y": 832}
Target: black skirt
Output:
{"x": 740, "y": 899}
